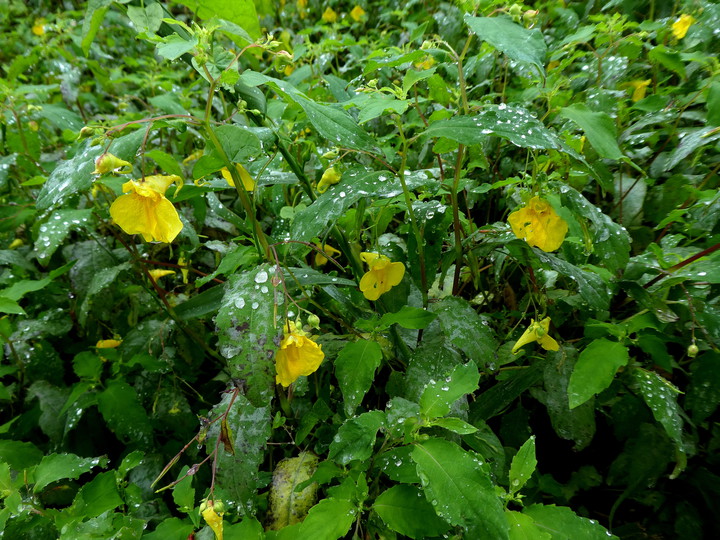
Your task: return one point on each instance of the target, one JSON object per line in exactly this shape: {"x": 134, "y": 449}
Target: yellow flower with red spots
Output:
{"x": 297, "y": 356}
{"x": 539, "y": 225}
{"x": 382, "y": 276}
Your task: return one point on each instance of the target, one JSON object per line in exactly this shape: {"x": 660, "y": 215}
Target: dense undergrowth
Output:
{"x": 359, "y": 270}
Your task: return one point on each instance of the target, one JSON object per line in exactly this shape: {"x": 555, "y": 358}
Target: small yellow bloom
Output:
{"x": 109, "y": 163}
{"x": 425, "y": 64}
{"x": 247, "y": 180}
{"x": 298, "y": 355}
{"x": 16, "y": 243}
{"x": 320, "y": 259}
{"x": 145, "y": 210}
{"x": 288, "y": 70}
{"x": 537, "y": 331}
{"x": 329, "y": 15}
{"x": 197, "y": 154}
{"x": 680, "y": 27}
{"x": 182, "y": 262}
{"x": 39, "y": 27}
{"x": 329, "y": 177}
{"x": 539, "y": 225}
{"x": 302, "y": 3}
{"x": 157, "y": 274}
{"x": 213, "y": 519}
{"x": 108, "y": 343}
{"x": 382, "y": 276}
{"x": 639, "y": 89}
{"x": 357, "y": 13}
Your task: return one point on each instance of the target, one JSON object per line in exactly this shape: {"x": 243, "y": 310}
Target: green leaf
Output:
{"x": 355, "y": 368}
{"x": 171, "y": 529}
{"x": 464, "y": 328}
{"x": 691, "y": 140}
{"x": 147, "y": 20}
{"x": 10, "y": 306}
{"x": 125, "y": 416}
{"x": 454, "y": 424}
{"x": 238, "y": 474}
{"x": 598, "y": 127}
{"x": 94, "y": 15}
{"x": 356, "y": 437}
{"x": 523, "y": 465}
{"x": 61, "y": 117}
{"x": 101, "y": 280}
{"x": 248, "y": 334}
{"x": 54, "y": 467}
{"x": 330, "y": 519}
{"x": 520, "y": 44}
{"x": 333, "y": 123}
{"x": 19, "y": 455}
{"x": 169, "y": 164}
{"x": 408, "y": 317}
{"x": 75, "y": 174}
{"x": 310, "y": 276}
{"x": 712, "y": 104}
{"x": 240, "y": 12}
{"x": 563, "y": 524}
{"x": 592, "y": 288}
{"x": 703, "y": 394}
{"x": 438, "y": 396}
{"x": 523, "y": 527}
{"x": 669, "y": 59}
{"x": 661, "y": 396}
{"x": 99, "y": 495}
{"x": 183, "y": 493}
{"x": 406, "y": 511}
{"x": 201, "y": 304}
{"x": 174, "y": 46}
{"x": 372, "y": 106}
{"x": 457, "y": 483}
{"x": 512, "y": 123}
{"x": 355, "y": 185}
{"x": 53, "y": 232}
{"x": 232, "y": 259}
{"x": 287, "y": 504}
{"x": 240, "y": 145}
{"x": 595, "y": 369}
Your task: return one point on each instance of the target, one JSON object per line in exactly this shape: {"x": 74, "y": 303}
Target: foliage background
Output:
{"x": 442, "y": 118}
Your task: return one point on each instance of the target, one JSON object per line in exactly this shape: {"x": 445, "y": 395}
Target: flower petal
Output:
{"x": 298, "y": 356}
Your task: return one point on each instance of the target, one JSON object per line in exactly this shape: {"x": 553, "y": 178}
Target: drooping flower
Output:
{"x": 247, "y": 180}
{"x": 297, "y": 356}
{"x": 639, "y": 89}
{"x": 158, "y": 273}
{"x": 39, "y": 27}
{"x": 357, "y": 13}
{"x": 145, "y": 210}
{"x": 329, "y": 15}
{"x": 108, "y": 343}
{"x": 681, "y": 26}
{"x": 539, "y": 225}
{"x": 109, "y": 163}
{"x": 537, "y": 331}
{"x": 382, "y": 276}
{"x": 330, "y": 177}
{"x": 320, "y": 259}
{"x": 213, "y": 519}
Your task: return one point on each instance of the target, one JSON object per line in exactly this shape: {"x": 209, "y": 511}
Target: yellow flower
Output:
{"x": 145, "y": 210}
{"x": 157, "y": 274}
{"x": 537, "y": 331}
{"x": 539, "y": 225}
{"x": 16, "y": 243}
{"x": 39, "y": 27}
{"x": 425, "y": 64}
{"x": 197, "y": 154}
{"x": 320, "y": 259}
{"x": 298, "y": 355}
{"x": 639, "y": 89}
{"x": 357, "y": 13}
{"x": 183, "y": 263}
{"x": 302, "y": 3}
{"x": 680, "y": 27}
{"x": 247, "y": 180}
{"x": 213, "y": 519}
{"x": 329, "y": 177}
{"x": 382, "y": 276}
{"x": 108, "y": 343}
{"x": 329, "y": 15}
{"x": 109, "y": 163}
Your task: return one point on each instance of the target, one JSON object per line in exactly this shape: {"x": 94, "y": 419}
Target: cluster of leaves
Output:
{"x": 138, "y": 384}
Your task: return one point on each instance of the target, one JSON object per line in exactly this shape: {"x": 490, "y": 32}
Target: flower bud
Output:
{"x": 313, "y": 321}
{"x": 692, "y": 350}
{"x": 109, "y": 163}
